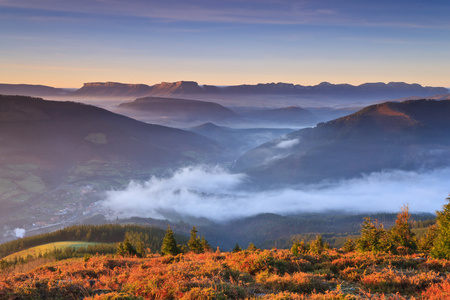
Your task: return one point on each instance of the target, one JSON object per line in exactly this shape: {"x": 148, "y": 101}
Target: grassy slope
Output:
{"x": 35, "y": 251}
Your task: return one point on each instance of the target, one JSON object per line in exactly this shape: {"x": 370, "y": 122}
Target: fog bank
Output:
{"x": 216, "y": 194}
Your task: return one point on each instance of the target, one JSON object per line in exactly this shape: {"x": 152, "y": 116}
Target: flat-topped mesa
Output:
{"x": 179, "y": 87}
{"x": 103, "y": 89}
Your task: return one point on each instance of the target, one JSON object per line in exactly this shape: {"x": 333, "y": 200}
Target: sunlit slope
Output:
{"x": 43, "y": 249}
{"x": 411, "y": 135}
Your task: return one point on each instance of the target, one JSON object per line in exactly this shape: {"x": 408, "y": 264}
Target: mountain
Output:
{"x": 116, "y": 89}
{"x": 239, "y": 140}
{"x": 292, "y": 115}
{"x": 32, "y": 90}
{"x": 434, "y": 97}
{"x": 179, "y": 110}
{"x": 262, "y": 94}
{"x": 177, "y": 88}
{"x": 112, "y": 89}
{"x": 411, "y": 135}
{"x": 55, "y": 155}
{"x": 377, "y": 90}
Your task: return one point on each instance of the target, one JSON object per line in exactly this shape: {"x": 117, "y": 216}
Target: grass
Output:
{"x": 34, "y": 251}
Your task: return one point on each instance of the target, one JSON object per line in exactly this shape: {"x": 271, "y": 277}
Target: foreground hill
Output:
{"x": 180, "y": 110}
{"x": 411, "y": 135}
{"x": 250, "y": 274}
{"x": 47, "y": 144}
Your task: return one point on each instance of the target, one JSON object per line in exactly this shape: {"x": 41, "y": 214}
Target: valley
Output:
{"x": 66, "y": 163}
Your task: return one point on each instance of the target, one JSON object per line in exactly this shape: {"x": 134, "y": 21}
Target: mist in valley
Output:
{"x": 221, "y": 196}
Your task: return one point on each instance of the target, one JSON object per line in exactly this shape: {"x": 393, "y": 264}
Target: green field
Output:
{"x": 35, "y": 251}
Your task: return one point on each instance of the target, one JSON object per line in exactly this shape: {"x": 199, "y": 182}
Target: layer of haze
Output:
{"x": 218, "y": 195}
{"x": 65, "y": 43}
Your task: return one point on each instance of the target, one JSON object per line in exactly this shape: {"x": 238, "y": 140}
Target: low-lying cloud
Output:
{"x": 287, "y": 144}
{"x": 19, "y": 232}
{"x": 216, "y": 194}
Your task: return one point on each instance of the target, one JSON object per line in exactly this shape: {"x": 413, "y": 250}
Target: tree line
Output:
{"x": 150, "y": 237}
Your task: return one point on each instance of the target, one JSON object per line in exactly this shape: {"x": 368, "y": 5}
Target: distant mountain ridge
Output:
{"x": 410, "y": 135}
{"x": 114, "y": 89}
{"x": 32, "y": 90}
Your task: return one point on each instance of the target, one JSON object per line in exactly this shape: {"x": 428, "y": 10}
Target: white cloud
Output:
{"x": 19, "y": 232}
{"x": 287, "y": 144}
{"x": 215, "y": 194}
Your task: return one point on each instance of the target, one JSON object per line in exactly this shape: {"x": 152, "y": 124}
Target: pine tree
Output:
{"x": 205, "y": 246}
{"x": 294, "y": 248}
{"x": 169, "y": 246}
{"x": 317, "y": 246}
{"x": 349, "y": 245}
{"x": 251, "y": 247}
{"x": 194, "y": 242}
{"x": 236, "y": 248}
{"x": 401, "y": 236}
{"x": 373, "y": 237}
{"x": 427, "y": 241}
{"x": 441, "y": 246}
{"x": 126, "y": 249}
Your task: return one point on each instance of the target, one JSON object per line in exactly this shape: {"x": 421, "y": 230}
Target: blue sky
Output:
{"x": 66, "y": 43}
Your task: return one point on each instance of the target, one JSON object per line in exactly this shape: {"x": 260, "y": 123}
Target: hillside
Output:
{"x": 411, "y": 135}
{"x": 239, "y": 140}
{"x": 292, "y": 115}
{"x": 177, "y": 110}
{"x": 250, "y": 274}
{"x": 58, "y": 155}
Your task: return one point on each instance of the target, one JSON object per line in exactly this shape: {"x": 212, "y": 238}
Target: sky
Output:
{"x": 64, "y": 43}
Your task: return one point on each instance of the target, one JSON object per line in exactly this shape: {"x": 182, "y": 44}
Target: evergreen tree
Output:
{"x": 441, "y": 245}
{"x": 251, "y": 248}
{"x": 169, "y": 246}
{"x": 205, "y": 246}
{"x": 295, "y": 248}
{"x": 236, "y": 248}
{"x": 401, "y": 236}
{"x": 126, "y": 249}
{"x": 317, "y": 246}
{"x": 373, "y": 237}
{"x": 194, "y": 243}
{"x": 349, "y": 245}
{"x": 427, "y": 241}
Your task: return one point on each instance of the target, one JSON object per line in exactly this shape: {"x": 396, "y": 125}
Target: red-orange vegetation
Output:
{"x": 260, "y": 274}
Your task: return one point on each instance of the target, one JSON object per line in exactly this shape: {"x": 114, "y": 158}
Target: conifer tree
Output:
{"x": 205, "y": 246}
{"x": 349, "y": 245}
{"x": 317, "y": 246}
{"x": 401, "y": 235}
{"x": 169, "y": 246}
{"x": 373, "y": 237}
{"x": 441, "y": 245}
{"x": 427, "y": 241}
{"x": 251, "y": 247}
{"x": 236, "y": 248}
{"x": 295, "y": 248}
{"x": 194, "y": 242}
